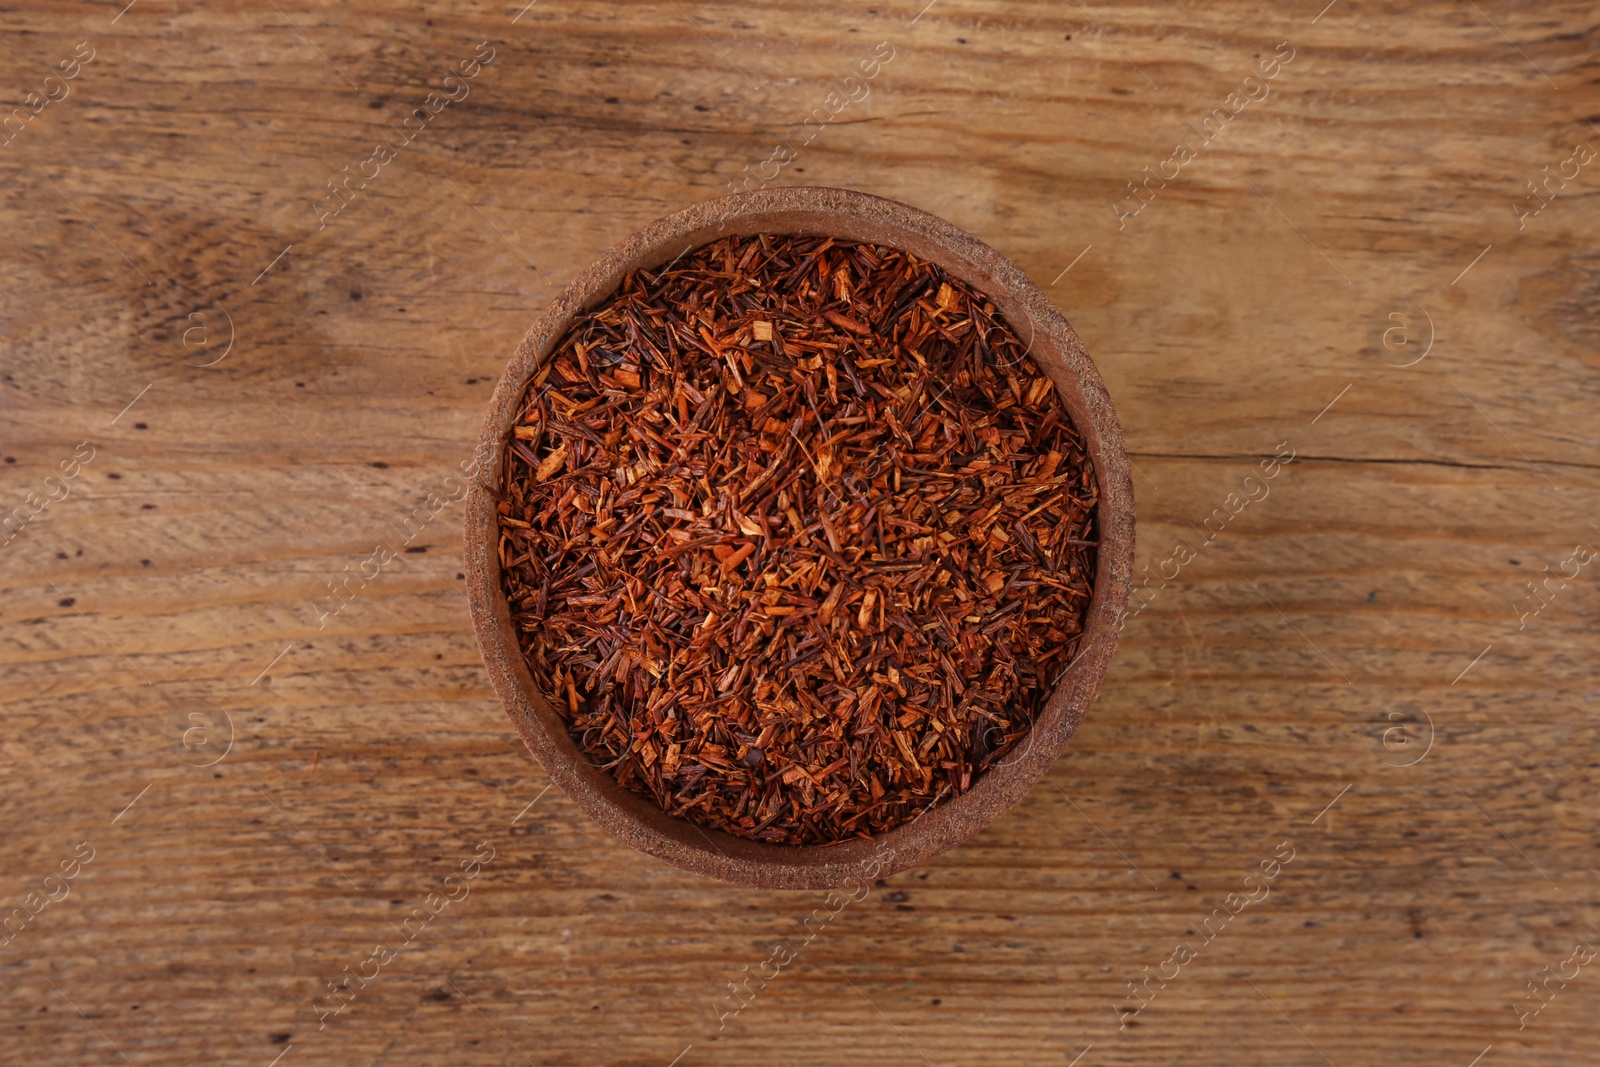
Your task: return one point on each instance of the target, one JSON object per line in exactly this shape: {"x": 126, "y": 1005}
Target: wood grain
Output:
{"x": 1254, "y": 701}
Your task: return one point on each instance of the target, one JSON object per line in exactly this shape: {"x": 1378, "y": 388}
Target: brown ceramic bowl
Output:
{"x": 1057, "y": 350}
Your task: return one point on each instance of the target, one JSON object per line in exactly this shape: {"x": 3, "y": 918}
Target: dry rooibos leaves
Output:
{"x": 797, "y": 536}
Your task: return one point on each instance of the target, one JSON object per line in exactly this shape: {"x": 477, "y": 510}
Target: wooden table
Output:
{"x": 252, "y": 392}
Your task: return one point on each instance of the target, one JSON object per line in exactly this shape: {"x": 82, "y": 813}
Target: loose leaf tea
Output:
{"x": 796, "y": 536}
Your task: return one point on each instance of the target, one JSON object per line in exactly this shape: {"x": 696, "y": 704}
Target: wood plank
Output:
{"x": 1271, "y": 692}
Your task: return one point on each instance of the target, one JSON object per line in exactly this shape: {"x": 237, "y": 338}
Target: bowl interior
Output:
{"x": 1058, "y": 352}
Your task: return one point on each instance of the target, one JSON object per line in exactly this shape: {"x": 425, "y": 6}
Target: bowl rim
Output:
{"x": 1055, "y": 347}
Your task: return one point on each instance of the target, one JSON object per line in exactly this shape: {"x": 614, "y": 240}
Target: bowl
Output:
{"x": 1054, "y": 347}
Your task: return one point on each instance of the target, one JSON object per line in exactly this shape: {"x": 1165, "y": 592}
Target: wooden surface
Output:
{"x": 1268, "y": 694}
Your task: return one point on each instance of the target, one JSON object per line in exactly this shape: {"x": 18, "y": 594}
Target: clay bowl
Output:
{"x": 638, "y": 822}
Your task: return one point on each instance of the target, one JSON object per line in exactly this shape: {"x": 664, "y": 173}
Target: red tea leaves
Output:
{"x": 796, "y": 536}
